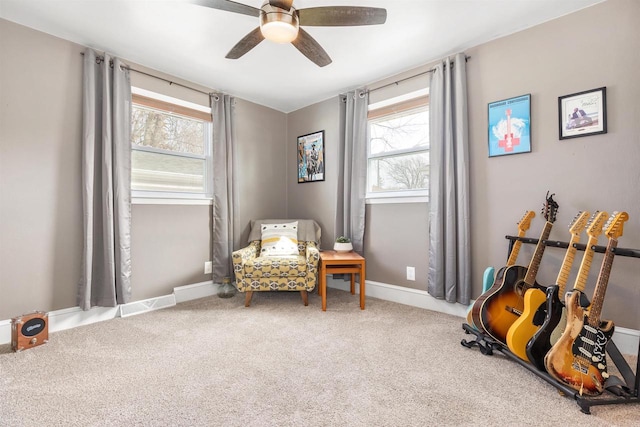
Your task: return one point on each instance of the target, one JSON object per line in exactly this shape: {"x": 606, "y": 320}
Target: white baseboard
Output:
{"x": 73, "y": 317}
{"x": 627, "y": 340}
{"x": 195, "y": 291}
{"x": 402, "y": 295}
{"x": 68, "y": 318}
{"x": 5, "y": 331}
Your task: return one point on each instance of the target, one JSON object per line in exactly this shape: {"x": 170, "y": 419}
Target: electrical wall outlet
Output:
{"x": 208, "y": 267}
{"x": 411, "y": 273}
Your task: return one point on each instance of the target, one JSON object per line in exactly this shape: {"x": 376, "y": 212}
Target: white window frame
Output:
{"x": 164, "y": 197}
{"x": 399, "y": 196}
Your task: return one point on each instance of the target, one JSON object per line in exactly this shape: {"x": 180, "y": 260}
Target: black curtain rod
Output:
{"x": 466, "y": 58}
{"x": 168, "y": 81}
{"x": 397, "y": 82}
{"x": 126, "y": 67}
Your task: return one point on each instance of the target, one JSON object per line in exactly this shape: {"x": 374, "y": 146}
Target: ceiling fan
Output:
{"x": 280, "y": 22}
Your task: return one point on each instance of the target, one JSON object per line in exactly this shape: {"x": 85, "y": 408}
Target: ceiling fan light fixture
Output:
{"x": 278, "y": 25}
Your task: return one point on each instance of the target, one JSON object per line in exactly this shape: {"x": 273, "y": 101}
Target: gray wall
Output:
{"x": 40, "y": 181}
{"x": 41, "y": 214}
{"x": 590, "y": 173}
{"x": 598, "y": 172}
{"x": 40, "y": 208}
{"x": 261, "y": 165}
{"x": 315, "y": 200}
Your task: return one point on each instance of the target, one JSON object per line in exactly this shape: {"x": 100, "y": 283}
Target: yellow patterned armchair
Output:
{"x": 265, "y": 266}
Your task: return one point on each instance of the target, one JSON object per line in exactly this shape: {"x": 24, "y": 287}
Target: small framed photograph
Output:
{"x": 311, "y": 157}
{"x": 510, "y": 126}
{"x": 583, "y": 113}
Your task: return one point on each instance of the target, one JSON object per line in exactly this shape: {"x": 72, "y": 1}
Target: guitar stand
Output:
{"x": 484, "y": 344}
{"x": 616, "y": 391}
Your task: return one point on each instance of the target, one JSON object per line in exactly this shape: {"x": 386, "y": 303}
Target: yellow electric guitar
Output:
{"x": 535, "y": 299}
{"x": 579, "y": 359}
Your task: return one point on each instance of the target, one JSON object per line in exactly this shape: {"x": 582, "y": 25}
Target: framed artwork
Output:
{"x": 583, "y": 113}
{"x": 510, "y": 126}
{"x": 311, "y": 157}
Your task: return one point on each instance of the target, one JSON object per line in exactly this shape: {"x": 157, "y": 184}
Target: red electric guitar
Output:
{"x": 509, "y": 140}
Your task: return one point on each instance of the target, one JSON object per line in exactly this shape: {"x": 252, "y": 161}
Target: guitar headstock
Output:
{"x": 525, "y": 222}
{"x": 550, "y": 208}
{"x": 578, "y": 223}
{"x": 596, "y": 222}
{"x": 615, "y": 224}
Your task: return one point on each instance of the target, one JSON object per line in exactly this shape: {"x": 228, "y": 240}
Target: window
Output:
{"x": 398, "y": 149}
{"x": 171, "y": 148}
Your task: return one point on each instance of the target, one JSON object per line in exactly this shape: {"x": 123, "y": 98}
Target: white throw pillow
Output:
{"x": 279, "y": 239}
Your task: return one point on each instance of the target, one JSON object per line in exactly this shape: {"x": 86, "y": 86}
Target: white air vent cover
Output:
{"x": 139, "y": 307}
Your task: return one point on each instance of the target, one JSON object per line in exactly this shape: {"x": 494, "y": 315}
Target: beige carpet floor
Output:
{"x": 213, "y": 362}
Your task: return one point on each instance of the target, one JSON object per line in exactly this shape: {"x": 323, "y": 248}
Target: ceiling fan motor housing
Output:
{"x": 278, "y": 25}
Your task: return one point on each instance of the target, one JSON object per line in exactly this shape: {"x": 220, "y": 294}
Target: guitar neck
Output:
{"x": 601, "y": 285}
{"x": 513, "y": 256}
{"x": 567, "y": 263}
{"x": 585, "y": 265}
{"x": 532, "y": 271}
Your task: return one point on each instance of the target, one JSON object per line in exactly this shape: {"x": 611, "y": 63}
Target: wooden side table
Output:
{"x": 332, "y": 262}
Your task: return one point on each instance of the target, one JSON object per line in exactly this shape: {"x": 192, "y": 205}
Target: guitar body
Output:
{"x": 543, "y": 339}
{"x": 487, "y": 281}
{"x": 578, "y": 359}
{"x": 490, "y": 282}
{"x": 528, "y": 323}
{"x": 562, "y": 324}
{"x": 476, "y": 308}
{"x": 502, "y": 307}
{"x": 555, "y": 320}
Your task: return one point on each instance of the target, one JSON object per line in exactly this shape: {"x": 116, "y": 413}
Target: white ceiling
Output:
{"x": 190, "y": 41}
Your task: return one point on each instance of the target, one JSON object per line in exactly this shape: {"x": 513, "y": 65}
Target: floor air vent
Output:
{"x": 139, "y": 307}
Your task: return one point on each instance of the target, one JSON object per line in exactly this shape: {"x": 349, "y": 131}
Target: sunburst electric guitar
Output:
{"x": 556, "y": 313}
{"x": 488, "y": 278}
{"x": 504, "y": 302}
{"x": 535, "y": 307}
{"x": 578, "y": 359}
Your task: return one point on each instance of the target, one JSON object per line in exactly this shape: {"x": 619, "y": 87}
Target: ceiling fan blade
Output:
{"x": 229, "y": 6}
{"x": 339, "y": 16}
{"x": 310, "y": 48}
{"x": 247, "y": 43}
{"x": 282, "y": 4}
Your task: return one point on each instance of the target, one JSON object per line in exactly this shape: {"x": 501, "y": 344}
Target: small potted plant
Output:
{"x": 343, "y": 244}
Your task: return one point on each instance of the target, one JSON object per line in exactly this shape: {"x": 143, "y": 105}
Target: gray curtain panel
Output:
{"x": 106, "y": 182}
{"x": 449, "y": 247}
{"x": 225, "y": 232}
{"x": 352, "y": 169}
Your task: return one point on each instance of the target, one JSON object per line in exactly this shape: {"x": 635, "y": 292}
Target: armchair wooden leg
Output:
{"x": 247, "y": 298}
{"x": 305, "y": 298}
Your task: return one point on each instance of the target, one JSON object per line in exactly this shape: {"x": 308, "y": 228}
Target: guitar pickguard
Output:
{"x": 540, "y": 344}
{"x": 590, "y": 344}
{"x": 589, "y": 364}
